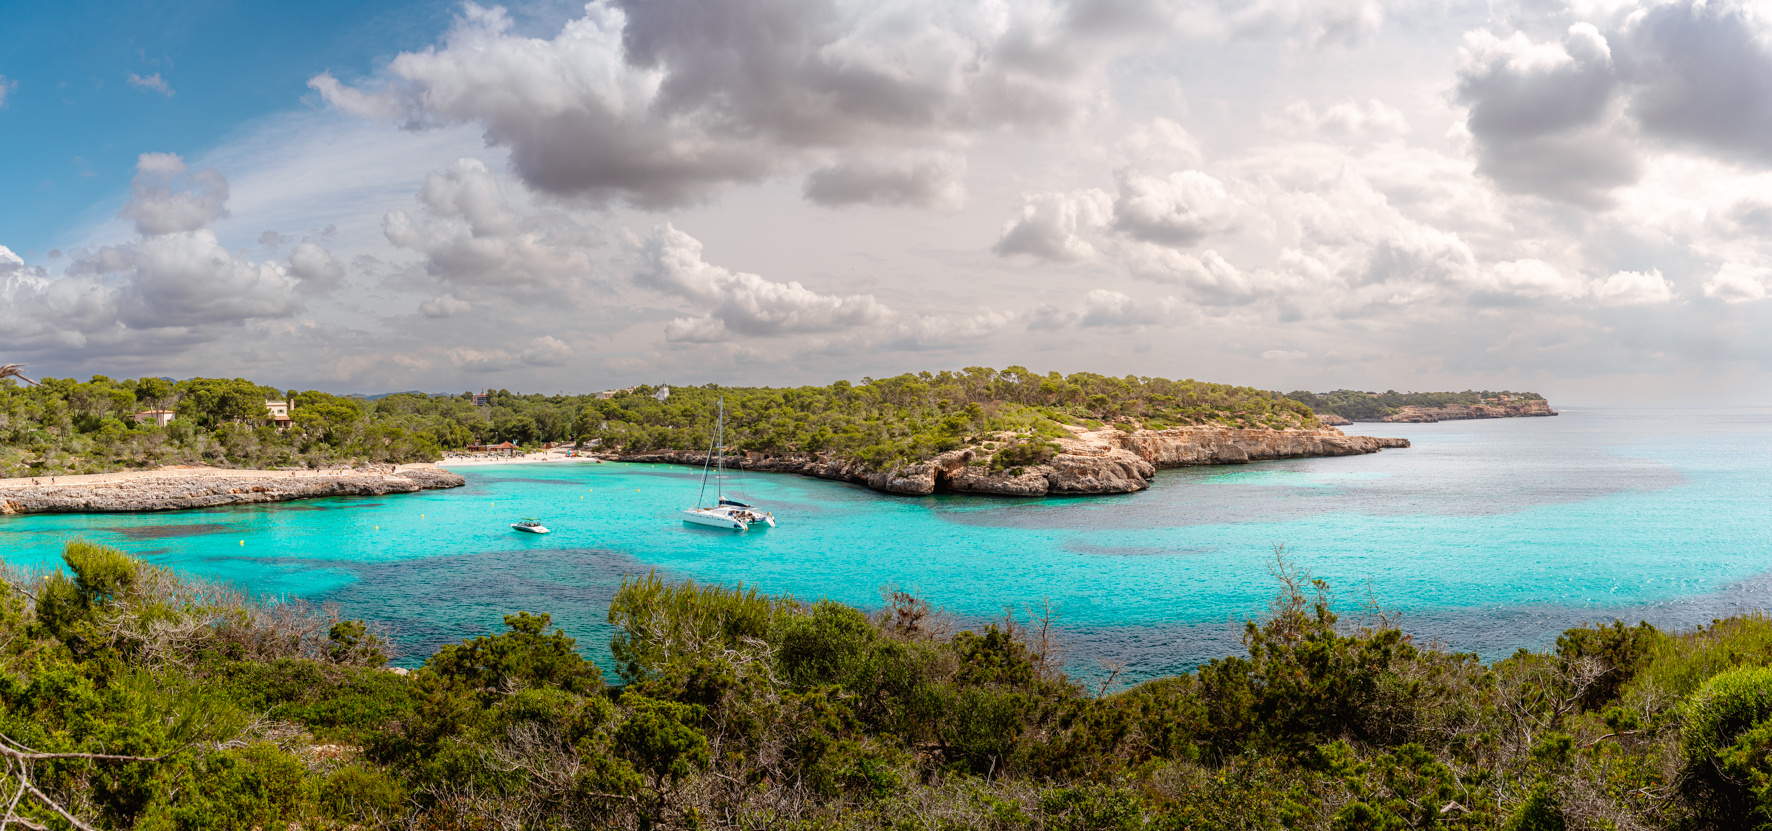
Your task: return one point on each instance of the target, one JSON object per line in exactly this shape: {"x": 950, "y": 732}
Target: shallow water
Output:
{"x": 1487, "y": 535}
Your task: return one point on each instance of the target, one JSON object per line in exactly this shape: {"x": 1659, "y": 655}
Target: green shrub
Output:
{"x": 255, "y": 786}
{"x": 1024, "y": 454}
{"x": 661, "y": 623}
{"x": 358, "y": 793}
{"x": 525, "y": 656}
{"x": 1725, "y": 734}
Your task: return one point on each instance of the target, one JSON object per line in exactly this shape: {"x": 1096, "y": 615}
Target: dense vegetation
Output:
{"x": 1371, "y": 406}
{"x": 67, "y": 426}
{"x": 913, "y": 417}
{"x": 134, "y": 699}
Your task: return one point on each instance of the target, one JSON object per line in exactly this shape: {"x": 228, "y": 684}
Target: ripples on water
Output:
{"x": 1487, "y": 535}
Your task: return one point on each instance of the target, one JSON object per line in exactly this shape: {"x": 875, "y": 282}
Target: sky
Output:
{"x": 1567, "y": 197}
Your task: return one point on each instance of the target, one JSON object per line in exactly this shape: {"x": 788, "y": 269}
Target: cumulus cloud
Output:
{"x": 1572, "y": 119}
{"x": 740, "y": 303}
{"x": 1370, "y": 119}
{"x": 663, "y": 103}
{"x": 165, "y": 197}
{"x": 471, "y": 236}
{"x": 445, "y": 306}
{"x": 928, "y": 183}
{"x": 1539, "y": 114}
{"x": 1738, "y": 283}
{"x": 1316, "y": 22}
{"x": 6, "y": 87}
{"x": 152, "y": 83}
{"x": 1634, "y": 288}
{"x": 1106, "y": 308}
{"x": 176, "y": 276}
{"x": 1053, "y": 226}
{"x": 1178, "y": 209}
{"x": 316, "y": 268}
{"x": 547, "y": 351}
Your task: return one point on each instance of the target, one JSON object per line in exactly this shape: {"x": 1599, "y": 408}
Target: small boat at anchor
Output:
{"x": 725, "y": 513}
{"x": 530, "y": 526}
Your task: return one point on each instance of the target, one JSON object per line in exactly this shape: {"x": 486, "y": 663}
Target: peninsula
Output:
{"x": 1348, "y": 406}
{"x": 1008, "y": 433}
{"x": 177, "y": 489}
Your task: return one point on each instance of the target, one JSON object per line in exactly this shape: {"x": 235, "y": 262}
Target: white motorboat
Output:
{"x": 725, "y": 513}
{"x": 530, "y": 526}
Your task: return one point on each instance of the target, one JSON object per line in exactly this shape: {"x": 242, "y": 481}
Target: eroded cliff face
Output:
{"x": 1098, "y": 462}
{"x": 171, "y": 491}
{"x": 1456, "y": 412}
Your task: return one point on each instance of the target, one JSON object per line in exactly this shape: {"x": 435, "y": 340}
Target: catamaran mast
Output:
{"x": 720, "y": 453}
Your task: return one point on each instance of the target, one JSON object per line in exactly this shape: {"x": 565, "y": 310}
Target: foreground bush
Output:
{"x": 133, "y": 698}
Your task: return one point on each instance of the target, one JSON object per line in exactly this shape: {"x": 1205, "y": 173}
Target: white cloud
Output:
{"x": 928, "y": 183}
{"x": 661, "y": 104}
{"x": 1283, "y": 355}
{"x": 1052, "y": 226}
{"x": 165, "y": 197}
{"x": 1179, "y": 209}
{"x": 1634, "y": 288}
{"x": 174, "y": 279}
{"x": 1347, "y": 120}
{"x": 6, "y": 87}
{"x": 445, "y": 306}
{"x": 471, "y": 236}
{"x": 547, "y": 351}
{"x": 1738, "y": 283}
{"x": 152, "y": 83}
{"x": 737, "y": 303}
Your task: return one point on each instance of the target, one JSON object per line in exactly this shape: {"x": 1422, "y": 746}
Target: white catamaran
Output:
{"x": 726, "y": 513}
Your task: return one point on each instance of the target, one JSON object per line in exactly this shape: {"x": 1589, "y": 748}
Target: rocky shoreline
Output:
{"x": 174, "y": 490}
{"x": 1453, "y": 412}
{"x": 1088, "y": 463}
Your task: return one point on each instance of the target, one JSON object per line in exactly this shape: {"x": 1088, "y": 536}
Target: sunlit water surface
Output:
{"x": 1486, "y": 535}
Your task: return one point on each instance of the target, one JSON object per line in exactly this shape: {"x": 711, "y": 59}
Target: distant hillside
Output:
{"x": 69, "y": 426}
{"x": 1354, "y": 405}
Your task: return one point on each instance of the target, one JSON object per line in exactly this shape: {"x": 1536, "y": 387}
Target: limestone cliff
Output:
{"x": 1456, "y": 412}
{"x": 1099, "y": 462}
{"x": 173, "y": 490}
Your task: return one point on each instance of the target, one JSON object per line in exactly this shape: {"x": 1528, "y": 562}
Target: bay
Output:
{"x": 1485, "y": 535}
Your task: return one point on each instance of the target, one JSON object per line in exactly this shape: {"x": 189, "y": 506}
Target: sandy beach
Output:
{"x": 558, "y": 454}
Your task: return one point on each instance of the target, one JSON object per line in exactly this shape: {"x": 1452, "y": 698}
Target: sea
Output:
{"x": 1483, "y": 536}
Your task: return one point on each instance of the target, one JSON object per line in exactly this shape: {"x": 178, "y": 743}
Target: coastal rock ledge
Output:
{"x": 1088, "y": 462}
{"x": 171, "y": 490}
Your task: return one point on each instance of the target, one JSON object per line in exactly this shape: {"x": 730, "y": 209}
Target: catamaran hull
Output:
{"x": 714, "y": 521}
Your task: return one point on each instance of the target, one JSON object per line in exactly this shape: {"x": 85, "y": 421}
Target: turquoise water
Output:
{"x": 1487, "y": 535}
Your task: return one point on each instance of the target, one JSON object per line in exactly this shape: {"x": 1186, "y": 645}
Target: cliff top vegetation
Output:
{"x": 1363, "y": 406}
{"x": 69, "y": 426}
{"x": 133, "y": 698}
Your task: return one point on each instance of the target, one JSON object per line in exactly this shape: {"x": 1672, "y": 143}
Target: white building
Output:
{"x": 279, "y": 413}
{"x": 158, "y": 418}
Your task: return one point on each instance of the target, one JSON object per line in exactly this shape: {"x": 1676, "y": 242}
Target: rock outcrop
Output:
{"x": 1456, "y": 412}
{"x": 174, "y": 490}
{"x": 1099, "y": 462}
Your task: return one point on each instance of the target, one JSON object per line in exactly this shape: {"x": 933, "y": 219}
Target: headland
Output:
{"x": 178, "y": 488}
{"x": 1087, "y": 462}
{"x": 1343, "y": 407}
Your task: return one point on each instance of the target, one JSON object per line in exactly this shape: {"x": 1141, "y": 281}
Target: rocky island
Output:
{"x": 176, "y": 489}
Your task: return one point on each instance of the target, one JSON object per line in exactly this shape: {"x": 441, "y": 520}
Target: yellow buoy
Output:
{"x": 242, "y": 542}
